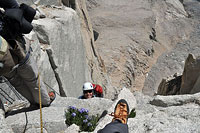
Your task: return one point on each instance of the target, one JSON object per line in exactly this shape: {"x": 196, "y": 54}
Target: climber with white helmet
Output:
{"x": 91, "y": 90}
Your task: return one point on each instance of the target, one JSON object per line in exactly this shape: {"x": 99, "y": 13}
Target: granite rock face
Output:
{"x": 185, "y": 83}
{"x": 42, "y": 2}
{"x": 170, "y": 86}
{"x": 4, "y": 127}
{"x": 54, "y": 116}
{"x": 60, "y": 36}
{"x": 191, "y": 76}
{"x": 173, "y": 61}
{"x": 168, "y": 114}
{"x": 153, "y": 114}
{"x": 133, "y": 34}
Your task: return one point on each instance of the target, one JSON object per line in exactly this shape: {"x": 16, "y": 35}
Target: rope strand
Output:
{"x": 40, "y": 102}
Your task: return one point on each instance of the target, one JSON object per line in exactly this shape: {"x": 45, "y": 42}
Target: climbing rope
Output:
{"x": 40, "y": 102}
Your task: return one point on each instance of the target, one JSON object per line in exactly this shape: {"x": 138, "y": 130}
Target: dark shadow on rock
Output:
{"x": 96, "y": 35}
{"x": 1, "y": 105}
{"x": 29, "y": 109}
{"x": 105, "y": 112}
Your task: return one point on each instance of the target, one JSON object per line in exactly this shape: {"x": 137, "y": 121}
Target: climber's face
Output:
{"x": 88, "y": 94}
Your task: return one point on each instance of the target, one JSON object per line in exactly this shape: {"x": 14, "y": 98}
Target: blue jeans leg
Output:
{"x": 115, "y": 127}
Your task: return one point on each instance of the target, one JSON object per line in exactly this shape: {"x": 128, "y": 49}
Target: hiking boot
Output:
{"x": 121, "y": 112}
{"x": 16, "y": 105}
{"x": 52, "y": 96}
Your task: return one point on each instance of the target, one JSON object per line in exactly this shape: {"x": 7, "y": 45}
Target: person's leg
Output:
{"x": 17, "y": 82}
{"x": 119, "y": 122}
{"x": 29, "y": 74}
{"x": 10, "y": 60}
{"x": 115, "y": 127}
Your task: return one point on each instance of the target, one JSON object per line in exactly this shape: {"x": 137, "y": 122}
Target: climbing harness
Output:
{"x": 23, "y": 61}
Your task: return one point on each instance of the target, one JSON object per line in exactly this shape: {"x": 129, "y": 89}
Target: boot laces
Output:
{"x": 122, "y": 115}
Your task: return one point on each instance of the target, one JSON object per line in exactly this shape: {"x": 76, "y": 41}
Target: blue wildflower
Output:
{"x": 86, "y": 116}
{"x": 86, "y": 111}
{"x": 72, "y": 107}
{"x": 73, "y": 114}
{"x": 85, "y": 121}
{"x": 82, "y": 110}
{"x": 89, "y": 124}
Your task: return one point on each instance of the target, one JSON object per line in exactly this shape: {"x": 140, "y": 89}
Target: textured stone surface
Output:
{"x": 41, "y": 56}
{"x": 166, "y": 114}
{"x": 130, "y": 46}
{"x": 191, "y": 74}
{"x": 132, "y": 34}
{"x": 172, "y": 114}
{"x": 95, "y": 65}
{"x": 41, "y": 2}
{"x": 54, "y": 116}
{"x": 4, "y": 127}
{"x": 73, "y": 129}
{"x": 176, "y": 100}
{"x": 168, "y": 119}
{"x": 170, "y": 86}
{"x": 173, "y": 61}
{"x": 62, "y": 38}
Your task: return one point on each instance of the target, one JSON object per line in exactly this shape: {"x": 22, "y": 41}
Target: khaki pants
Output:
{"x": 25, "y": 80}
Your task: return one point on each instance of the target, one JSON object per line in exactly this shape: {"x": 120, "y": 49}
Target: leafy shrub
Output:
{"x": 132, "y": 114}
{"x": 81, "y": 118}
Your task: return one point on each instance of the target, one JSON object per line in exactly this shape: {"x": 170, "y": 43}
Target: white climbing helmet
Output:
{"x": 87, "y": 86}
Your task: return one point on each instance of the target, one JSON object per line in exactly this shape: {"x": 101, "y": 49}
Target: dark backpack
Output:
{"x": 16, "y": 21}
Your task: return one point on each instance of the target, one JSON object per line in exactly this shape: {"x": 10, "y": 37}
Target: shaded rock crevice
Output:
{"x": 43, "y": 37}
{"x": 170, "y": 86}
{"x": 153, "y": 35}
{"x": 54, "y": 67}
{"x": 185, "y": 83}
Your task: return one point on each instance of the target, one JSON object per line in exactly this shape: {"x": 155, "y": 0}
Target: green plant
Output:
{"x": 81, "y": 118}
{"x": 132, "y": 113}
